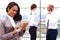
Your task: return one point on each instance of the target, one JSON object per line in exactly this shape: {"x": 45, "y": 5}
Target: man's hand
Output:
{"x": 39, "y": 23}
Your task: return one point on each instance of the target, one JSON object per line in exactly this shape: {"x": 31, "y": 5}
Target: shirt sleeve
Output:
{"x": 46, "y": 21}
{"x": 28, "y": 18}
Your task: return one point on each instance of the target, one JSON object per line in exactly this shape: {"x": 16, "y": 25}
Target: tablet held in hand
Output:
{"x": 24, "y": 25}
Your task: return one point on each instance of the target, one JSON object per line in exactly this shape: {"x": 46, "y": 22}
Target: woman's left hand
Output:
{"x": 24, "y": 25}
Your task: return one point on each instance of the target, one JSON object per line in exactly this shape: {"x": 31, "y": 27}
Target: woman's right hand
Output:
{"x": 14, "y": 31}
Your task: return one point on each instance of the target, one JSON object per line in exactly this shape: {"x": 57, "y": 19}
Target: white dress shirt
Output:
{"x": 53, "y": 20}
{"x": 13, "y": 23}
{"x": 33, "y": 19}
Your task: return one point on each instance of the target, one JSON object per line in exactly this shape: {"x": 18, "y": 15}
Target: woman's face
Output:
{"x": 12, "y": 11}
{"x": 34, "y": 9}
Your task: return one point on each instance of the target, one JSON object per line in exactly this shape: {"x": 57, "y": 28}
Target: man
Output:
{"x": 51, "y": 23}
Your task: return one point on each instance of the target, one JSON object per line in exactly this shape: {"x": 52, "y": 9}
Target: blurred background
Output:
{"x": 25, "y": 11}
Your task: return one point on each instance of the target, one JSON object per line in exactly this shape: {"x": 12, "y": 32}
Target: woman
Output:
{"x": 11, "y": 23}
{"x": 51, "y": 23}
{"x": 33, "y": 22}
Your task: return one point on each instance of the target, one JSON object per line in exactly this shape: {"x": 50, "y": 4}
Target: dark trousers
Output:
{"x": 51, "y": 34}
{"x": 32, "y": 32}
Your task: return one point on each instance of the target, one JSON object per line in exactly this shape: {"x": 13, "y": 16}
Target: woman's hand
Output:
{"x": 24, "y": 25}
{"x": 14, "y": 31}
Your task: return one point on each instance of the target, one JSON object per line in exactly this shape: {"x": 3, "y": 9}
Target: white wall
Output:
{"x": 22, "y": 3}
{"x": 56, "y": 3}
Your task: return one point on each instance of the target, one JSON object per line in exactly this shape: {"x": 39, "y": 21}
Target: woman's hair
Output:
{"x": 17, "y": 16}
{"x": 33, "y": 6}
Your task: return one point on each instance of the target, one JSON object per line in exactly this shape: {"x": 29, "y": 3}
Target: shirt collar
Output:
{"x": 33, "y": 13}
{"x": 9, "y": 16}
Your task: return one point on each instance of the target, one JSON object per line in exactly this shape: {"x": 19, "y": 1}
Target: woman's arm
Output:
{"x": 23, "y": 28}
{"x": 6, "y": 36}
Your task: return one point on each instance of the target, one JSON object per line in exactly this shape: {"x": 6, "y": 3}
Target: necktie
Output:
{"x": 47, "y": 23}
